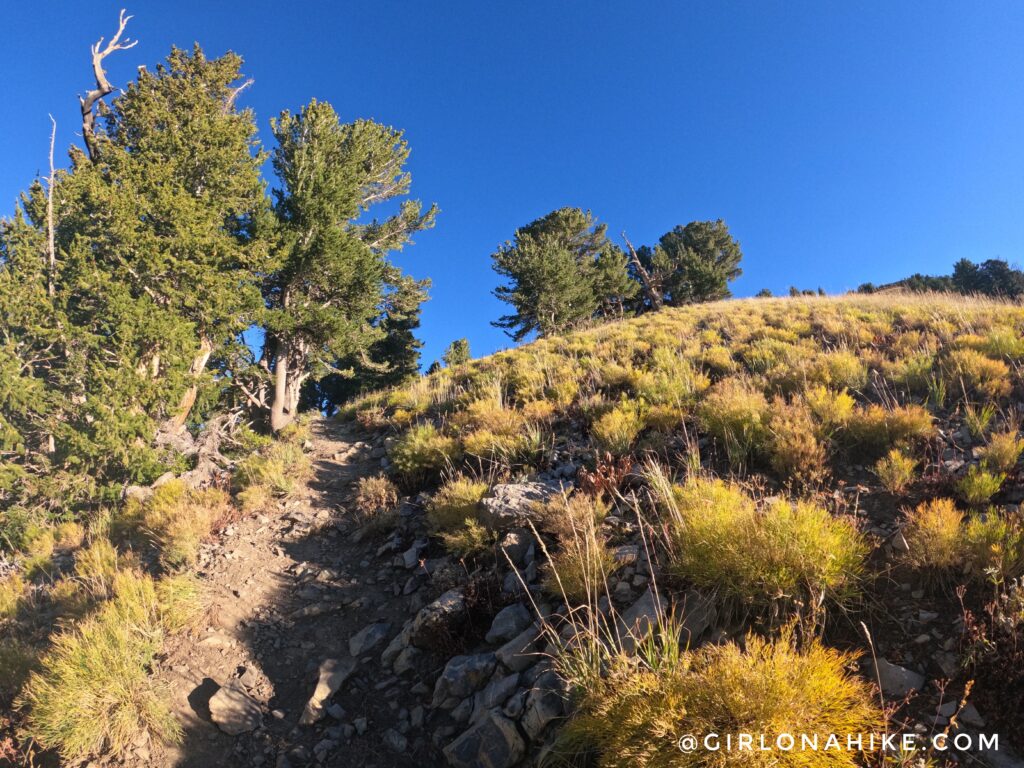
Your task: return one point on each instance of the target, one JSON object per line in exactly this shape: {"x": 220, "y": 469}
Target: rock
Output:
{"x": 407, "y": 660}
{"x": 438, "y": 618}
{"x": 640, "y": 620}
{"x": 493, "y": 742}
{"x": 969, "y": 715}
{"x": 462, "y": 676}
{"x": 898, "y": 681}
{"x": 627, "y": 554}
{"x": 411, "y": 556}
{"x": 698, "y": 613}
{"x": 395, "y": 741}
{"x": 494, "y": 695}
{"x": 509, "y": 622}
{"x": 233, "y": 710}
{"x": 360, "y": 725}
{"x": 511, "y": 504}
{"x": 546, "y": 702}
{"x": 333, "y": 672}
{"x": 521, "y": 651}
{"x": 516, "y": 544}
{"x": 368, "y": 638}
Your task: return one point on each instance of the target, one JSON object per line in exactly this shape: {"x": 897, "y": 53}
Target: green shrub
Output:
{"x": 933, "y": 535}
{"x": 376, "y": 496}
{"x": 978, "y": 418}
{"x": 634, "y": 714}
{"x": 1002, "y": 452}
{"x": 93, "y": 692}
{"x": 455, "y": 502}
{"x": 896, "y": 471}
{"x": 979, "y": 485}
{"x": 995, "y": 546}
{"x": 973, "y": 371}
{"x": 617, "y": 430}
{"x": 735, "y": 414}
{"x": 280, "y": 468}
{"x": 422, "y": 453}
{"x": 874, "y": 430}
{"x": 793, "y": 446}
{"x": 721, "y": 541}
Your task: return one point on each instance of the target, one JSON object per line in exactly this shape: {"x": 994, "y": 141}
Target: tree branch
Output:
{"x": 103, "y": 86}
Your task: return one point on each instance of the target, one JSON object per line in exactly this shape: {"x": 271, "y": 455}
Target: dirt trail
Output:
{"x": 288, "y": 588}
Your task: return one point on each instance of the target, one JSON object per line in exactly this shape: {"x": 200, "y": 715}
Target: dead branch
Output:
{"x": 652, "y": 295}
{"x": 103, "y": 87}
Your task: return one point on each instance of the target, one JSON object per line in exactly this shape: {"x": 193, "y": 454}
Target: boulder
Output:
{"x": 509, "y": 622}
{"x": 511, "y": 505}
{"x": 896, "y": 680}
{"x": 493, "y": 742}
{"x": 641, "y": 619}
{"x": 494, "y": 694}
{"x": 368, "y": 638}
{"x": 333, "y": 672}
{"x": 438, "y": 618}
{"x": 233, "y": 710}
{"x": 521, "y": 651}
{"x": 462, "y": 676}
{"x": 698, "y": 613}
{"x": 545, "y": 702}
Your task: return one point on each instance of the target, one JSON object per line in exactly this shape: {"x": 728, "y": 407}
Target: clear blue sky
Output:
{"x": 842, "y": 142}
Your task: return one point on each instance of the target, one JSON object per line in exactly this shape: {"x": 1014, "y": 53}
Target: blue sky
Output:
{"x": 842, "y": 142}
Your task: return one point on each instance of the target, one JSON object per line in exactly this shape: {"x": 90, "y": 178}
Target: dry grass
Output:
{"x": 933, "y": 535}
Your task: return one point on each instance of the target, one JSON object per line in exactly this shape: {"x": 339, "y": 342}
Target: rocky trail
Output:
{"x": 308, "y": 655}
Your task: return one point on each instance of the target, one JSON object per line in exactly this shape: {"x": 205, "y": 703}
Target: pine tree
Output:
{"x": 457, "y": 353}
{"x": 694, "y": 263}
{"x": 330, "y": 272}
{"x": 562, "y": 270}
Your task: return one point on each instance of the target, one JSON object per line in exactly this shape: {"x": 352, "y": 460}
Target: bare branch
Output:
{"x": 234, "y": 94}
{"x": 51, "y": 249}
{"x": 103, "y": 86}
{"x": 652, "y": 295}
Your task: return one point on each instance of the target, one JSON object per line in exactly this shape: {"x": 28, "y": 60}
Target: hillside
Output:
{"x": 745, "y": 516}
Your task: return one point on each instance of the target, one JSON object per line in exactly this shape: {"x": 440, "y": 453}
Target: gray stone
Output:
{"x": 439, "y": 616}
{"x": 463, "y": 675}
{"x": 521, "y": 651}
{"x": 333, "y": 672}
{"x": 969, "y": 715}
{"x": 509, "y": 622}
{"x": 512, "y": 504}
{"x": 395, "y": 741}
{"x": 407, "y": 660}
{"x": 897, "y": 681}
{"x": 368, "y": 638}
{"x": 494, "y": 694}
{"x": 641, "y": 619}
{"x": 233, "y": 710}
{"x": 493, "y": 742}
{"x": 698, "y": 613}
{"x": 627, "y": 554}
{"x": 546, "y": 702}
{"x": 516, "y": 544}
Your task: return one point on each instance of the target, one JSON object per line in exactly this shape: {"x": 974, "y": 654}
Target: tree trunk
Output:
{"x": 645, "y": 279}
{"x": 280, "y": 415}
{"x": 177, "y": 422}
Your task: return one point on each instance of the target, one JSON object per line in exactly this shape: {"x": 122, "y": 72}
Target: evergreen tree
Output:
{"x": 330, "y": 272}
{"x": 694, "y": 263}
{"x": 457, "y": 353}
{"x": 562, "y": 270}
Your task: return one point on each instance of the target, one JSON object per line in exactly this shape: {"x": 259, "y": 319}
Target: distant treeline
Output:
{"x": 994, "y": 277}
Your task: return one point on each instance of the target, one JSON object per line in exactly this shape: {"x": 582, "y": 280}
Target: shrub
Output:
{"x": 977, "y": 418}
{"x": 93, "y": 691}
{"x": 793, "y": 446}
{"x": 375, "y": 496}
{"x": 874, "y": 430}
{"x": 17, "y": 660}
{"x": 979, "y": 485}
{"x": 280, "y": 468}
{"x": 12, "y": 595}
{"x": 468, "y": 538}
{"x": 634, "y": 715}
{"x": 845, "y": 370}
{"x": 832, "y": 408}
{"x": 578, "y": 570}
{"x": 933, "y": 536}
{"x": 995, "y": 546}
{"x": 96, "y": 568}
{"x": 177, "y": 519}
{"x": 422, "y": 453}
{"x": 456, "y": 502}
{"x": 736, "y": 414}
{"x": 720, "y": 540}
{"x": 977, "y": 373}
{"x": 896, "y": 471}
{"x": 617, "y": 430}
{"x": 1002, "y": 452}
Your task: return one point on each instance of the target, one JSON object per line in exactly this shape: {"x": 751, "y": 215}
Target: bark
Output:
{"x": 280, "y": 417}
{"x": 645, "y": 279}
{"x": 177, "y": 422}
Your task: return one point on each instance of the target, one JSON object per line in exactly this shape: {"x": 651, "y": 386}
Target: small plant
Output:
{"x": 579, "y": 569}
{"x": 979, "y": 485}
{"x": 96, "y": 567}
{"x": 933, "y": 535}
{"x": 617, "y": 430}
{"x": 896, "y": 471}
{"x": 975, "y": 372}
{"x": 832, "y": 408}
{"x": 93, "y": 691}
{"x": 422, "y": 453}
{"x": 720, "y": 540}
{"x": 995, "y": 546}
{"x": 874, "y": 430}
{"x": 12, "y": 595}
{"x": 455, "y": 502}
{"x": 736, "y": 414}
{"x": 375, "y": 496}
{"x": 977, "y": 419}
{"x": 1002, "y": 452}
{"x": 793, "y": 446}
{"x": 632, "y": 716}
{"x": 279, "y": 468}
